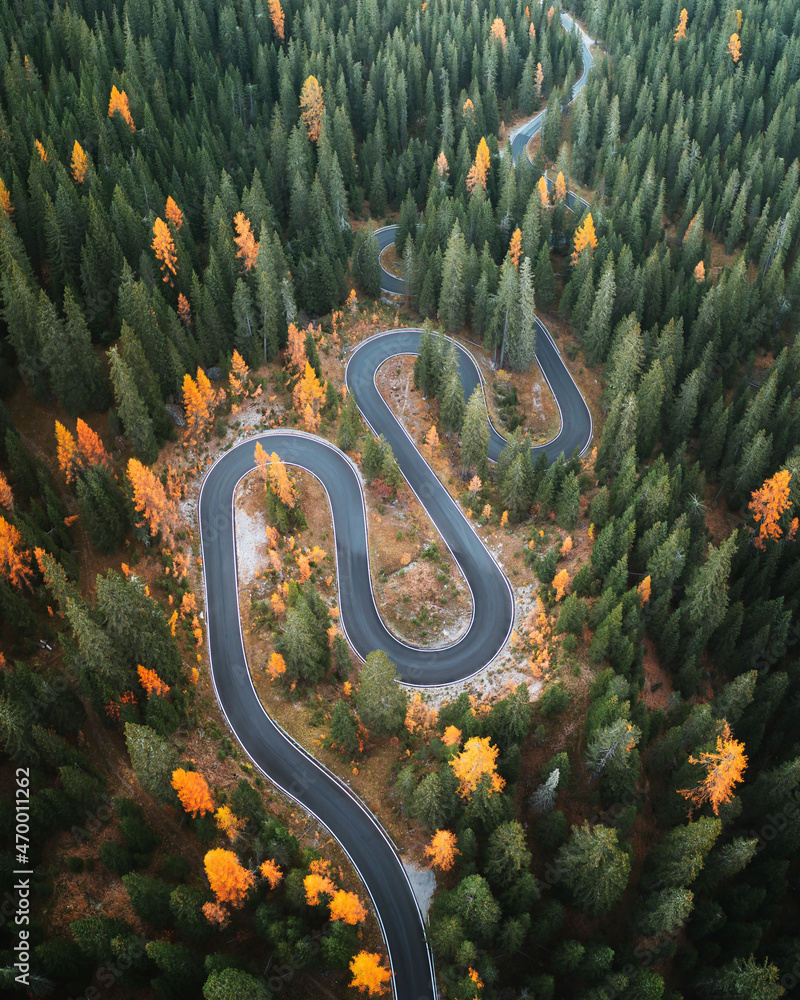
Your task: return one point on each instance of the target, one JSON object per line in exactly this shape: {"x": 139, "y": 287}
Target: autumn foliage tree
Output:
{"x": 515, "y": 247}
{"x": 768, "y": 504}
{"x": 734, "y": 47}
{"x": 199, "y": 402}
{"x": 478, "y": 758}
{"x": 79, "y": 163}
{"x": 164, "y": 249}
{"x": 442, "y": 850}
{"x": 118, "y": 102}
{"x": 15, "y": 559}
{"x": 66, "y": 452}
{"x": 193, "y": 791}
{"x": 245, "y": 240}
{"x": 277, "y": 17}
{"x": 585, "y": 236}
{"x": 173, "y": 213}
{"x": 479, "y": 171}
{"x": 312, "y": 106}
{"x": 369, "y": 976}
{"x": 90, "y": 447}
{"x": 680, "y": 31}
{"x": 228, "y": 822}
{"x": 560, "y": 187}
{"x": 271, "y": 872}
{"x": 6, "y": 494}
{"x": 151, "y": 682}
{"x": 5, "y": 200}
{"x": 308, "y": 397}
{"x": 347, "y": 907}
{"x": 724, "y": 768}
{"x": 150, "y": 499}
{"x": 229, "y": 881}
{"x": 498, "y": 31}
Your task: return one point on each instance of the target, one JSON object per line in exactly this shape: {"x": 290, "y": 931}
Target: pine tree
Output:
{"x": 544, "y": 279}
{"x": 103, "y": 510}
{"x": 507, "y": 317}
{"x": 381, "y": 702}
{"x": 475, "y": 436}
{"x": 453, "y": 300}
{"x": 366, "y": 262}
{"x": 344, "y": 729}
{"x": 153, "y": 759}
{"x": 522, "y": 350}
{"x": 594, "y": 867}
{"x": 598, "y": 330}
{"x": 135, "y": 419}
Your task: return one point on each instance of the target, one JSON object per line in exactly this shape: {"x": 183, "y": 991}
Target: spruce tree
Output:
{"x": 598, "y": 330}
{"x": 132, "y": 411}
{"x": 475, "y": 436}
{"x": 453, "y": 300}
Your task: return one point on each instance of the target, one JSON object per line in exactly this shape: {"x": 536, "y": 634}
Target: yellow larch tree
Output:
{"x": 159, "y": 510}
{"x": 560, "y": 581}
{"x": 369, "y": 976}
{"x": 432, "y": 438}
{"x": 239, "y": 376}
{"x": 245, "y": 240}
{"x": 538, "y": 80}
{"x": 66, "y": 452}
{"x": 228, "y": 822}
{"x": 79, "y": 163}
{"x": 585, "y": 236}
{"x": 199, "y": 402}
{"x": 5, "y": 200}
{"x": 515, "y": 247}
{"x": 700, "y": 272}
{"x": 734, "y": 48}
{"x": 680, "y": 31}
{"x": 151, "y": 682}
{"x": 276, "y": 667}
{"x": 277, "y": 17}
{"x": 442, "y": 850}
{"x": 308, "y": 397}
{"x": 346, "y": 906}
{"x": 442, "y": 166}
{"x": 478, "y": 758}
{"x": 164, "y": 249}
{"x": 498, "y": 31}
{"x": 312, "y": 106}
{"x": 419, "y": 718}
{"x": 184, "y": 309}
{"x": 41, "y": 151}
{"x": 479, "y": 171}
{"x": 768, "y": 504}
{"x": 452, "y": 736}
{"x": 643, "y": 590}
{"x": 724, "y": 768}
{"x": 296, "y": 350}
{"x": 173, "y": 213}
{"x": 118, "y": 102}
{"x": 280, "y": 481}
{"x": 544, "y": 194}
{"x": 560, "y": 187}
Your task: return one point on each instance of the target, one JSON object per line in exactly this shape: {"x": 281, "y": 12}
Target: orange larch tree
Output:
{"x": 734, "y": 48}
{"x": 308, "y": 397}
{"x": 66, "y": 452}
{"x": 452, "y": 736}
{"x": 228, "y": 822}
{"x": 199, "y": 402}
{"x": 271, "y": 872}
{"x": 585, "y": 236}
{"x": 151, "y": 682}
{"x": 432, "y": 438}
{"x": 442, "y": 166}
{"x": 643, "y": 590}
{"x": 284, "y": 487}
{"x": 184, "y": 309}
{"x": 15, "y": 560}
{"x": 478, "y": 758}
{"x": 420, "y": 718}
{"x": 5, "y": 200}
{"x": 229, "y": 882}
{"x": 680, "y": 31}
{"x": 193, "y": 791}
{"x": 173, "y": 213}
{"x": 312, "y": 106}
{"x": 724, "y": 768}
{"x": 317, "y": 884}
{"x": 119, "y": 102}
{"x": 560, "y": 190}
{"x": 245, "y": 240}
{"x": 560, "y": 581}
{"x": 90, "y": 447}
{"x": 348, "y": 907}
{"x": 164, "y": 248}
{"x": 479, "y": 170}
{"x": 498, "y": 30}
{"x": 544, "y": 194}
{"x": 276, "y": 16}
{"x": 768, "y": 504}
{"x": 79, "y": 163}
{"x": 41, "y": 151}
{"x": 442, "y": 850}
{"x": 239, "y": 376}
{"x": 6, "y": 494}
{"x": 515, "y": 247}
{"x": 539, "y": 78}
{"x": 151, "y": 500}
{"x": 296, "y": 350}
{"x": 369, "y": 975}
{"x": 700, "y": 272}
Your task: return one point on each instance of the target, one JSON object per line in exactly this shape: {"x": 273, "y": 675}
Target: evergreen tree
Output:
{"x": 598, "y": 330}
{"x": 132, "y": 411}
{"x": 380, "y": 700}
{"x": 475, "y": 436}
{"x": 344, "y": 729}
{"x": 103, "y": 510}
{"x": 366, "y": 262}
{"x": 522, "y": 349}
{"x": 453, "y": 300}
{"x": 594, "y": 868}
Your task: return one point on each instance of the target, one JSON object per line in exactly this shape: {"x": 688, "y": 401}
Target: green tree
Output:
{"x": 381, "y": 701}
{"x": 453, "y": 300}
{"x": 153, "y": 759}
{"x": 477, "y": 907}
{"x": 745, "y": 979}
{"x": 103, "y": 510}
{"x": 507, "y": 855}
{"x": 551, "y": 130}
{"x": 74, "y": 367}
{"x": 366, "y": 261}
{"x": 679, "y": 858}
{"x": 234, "y": 984}
{"x": 598, "y": 330}
{"x": 475, "y": 436}
{"x": 132, "y": 411}
{"x": 665, "y": 912}
{"x": 344, "y": 729}
{"x": 149, "y": 898}
{"x": 522, "y": 348}
{"x": 594, "y": 867}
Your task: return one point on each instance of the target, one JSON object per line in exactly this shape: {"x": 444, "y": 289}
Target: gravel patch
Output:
{"x": 423, "y": 882}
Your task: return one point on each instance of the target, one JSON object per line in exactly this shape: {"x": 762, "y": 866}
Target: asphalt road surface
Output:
{"x": 286, "y": 764}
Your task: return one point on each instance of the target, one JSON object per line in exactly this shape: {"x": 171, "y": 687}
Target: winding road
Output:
{"x": 284, "y": 762}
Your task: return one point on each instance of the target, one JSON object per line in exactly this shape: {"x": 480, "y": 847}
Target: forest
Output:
{"x": 189, "y": 196}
